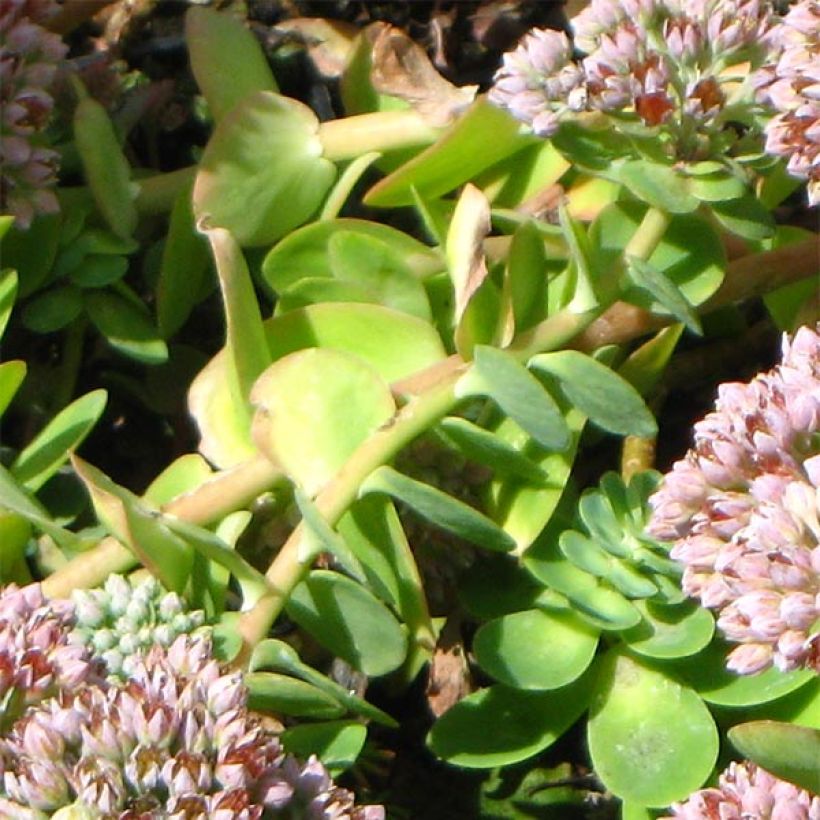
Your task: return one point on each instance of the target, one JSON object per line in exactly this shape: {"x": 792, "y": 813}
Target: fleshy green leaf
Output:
{"x": 535, "y": 649}
{"x": 345, "y": 618}
{"x": 336, "y": 744}
{"x": 599, "y": 393}
{"x": 481, "y": 137}
{"x": 484, "y": 447}
{"x": 180, "y": 476}
{"x": 663, "y": 291}
{"x": 305, "y": 252}
{"x": 182, "y": 269}
{"x": 646, "y": 365}
{"x": 745, "y": 216}
{"x": 518, "y": 393}
{"x": 97, "y": 271}
{"x": 525, "y": 280}
{"x": 53, "y": 309}
{"x": 500, "y": 725}
{"x": 652, "y": 741}
{"x": 716, "y": 187}
{"x": 262, "y": 173}
{"x": 8, "y": 293}
{"x": 439, "y": 508}
{"x": 281, "y": 657}
{"x": 31, "y": 253}
{"x": 11, "y": 377}
{"x": 690, "y": 253}
{"x": 789, "y": 752}
{"x": 51, "y": 447}
{"x": 706, "y": 672}
{"x": 127, "y": 327}
{"x": 282, "y": 695}
{"x": 226, "y": 59}
{"x": 658, "y": 185}
{"x": 670, "y": 631}
{"x": 314, "y": 407}
{"x": 141, "y": 529}
{"x": 106, "y": 168}
{"x": 522, "y": 509}
{"x": 497, "y": 585}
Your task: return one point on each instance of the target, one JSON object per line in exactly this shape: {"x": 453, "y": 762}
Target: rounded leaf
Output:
{"x": 535, "y": 649}
{"x": 652, "y": 741}
{"x": 349, "y": 621}
{"x": 337, "y": 744}
{"x": 500, "y": 725}
{"x": 314, "y": 408}
{"x": 670, "y": 631}
{"x": 262, "y": 172}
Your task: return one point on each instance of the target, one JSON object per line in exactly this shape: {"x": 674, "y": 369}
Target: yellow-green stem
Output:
{"x": 350, "y": 137}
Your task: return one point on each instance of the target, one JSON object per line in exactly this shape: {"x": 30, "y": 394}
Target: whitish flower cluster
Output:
{"x": 742, "y": 508}
{"x": 28, "y": 60}
{"x": 37, "y": 660}
{"x": 122, "y": 621}
{"x": 792, "y": 87}
{"x": 747, "y": 791}
{"x": 660, "y": 62}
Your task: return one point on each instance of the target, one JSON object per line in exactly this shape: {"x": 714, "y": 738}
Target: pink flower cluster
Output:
{"x": 28, "y": 61}
{"x": 747, "y": 792}
{"x": 791, "y": 85}
{"x": 662, "y": 61}
{"x": 742, "y": 509}
{"x": 174, "y": 739}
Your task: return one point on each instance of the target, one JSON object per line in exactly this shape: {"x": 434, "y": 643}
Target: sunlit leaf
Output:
{"x": 128, "y": 327}
{"x": 11, "y": 377}
{"x": 50, "y": 449}
{"x": 283, "y": 695}
{"x": 314, "y": 407}
{"x": 262, "y": 173}
{"x": 337, "y": 744}
{"x": 652, "y": 741}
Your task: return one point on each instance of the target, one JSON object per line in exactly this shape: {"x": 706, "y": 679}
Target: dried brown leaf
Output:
{"x": 402, "y": 69}
{"x": 329, "y": 43}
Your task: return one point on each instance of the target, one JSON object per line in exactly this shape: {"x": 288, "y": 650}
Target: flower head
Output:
{"x": 123, "y": 620}
{"x": 746, "y": 790}
{"x": 36, "y": 658}
{"x": 742, "y": 508}
{"x": 174, "y": 740}
{"x": 663, "y": 64}
{"x": 28, "y": 61}
{"x": 792, "y": 87}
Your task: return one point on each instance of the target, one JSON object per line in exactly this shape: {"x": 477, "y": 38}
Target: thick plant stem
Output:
{"x": 287, "y": 570}
{"x": 220, "y": 495}
{"x": 382, "y": 131}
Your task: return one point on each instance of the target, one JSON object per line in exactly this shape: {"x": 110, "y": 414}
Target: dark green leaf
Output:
{"x": 439, "y": 508}
{"x": 664, "y": 291}
{"x": 97, "y": 271}
{"x": 283, "y": 695}
{"x": 345, "y": 618}
{"x": 336, "y": 744}
{"x": 746, "y": 217}
{"x": 31, "y": 253}
{"x": 127, "y": 327}
{"x": 535, "y": 649}
{"x": 53, "y": 310}
{"x": 500, "y": 725}
{"x": 51, "y": 447}
{"x": 484, "y": 447}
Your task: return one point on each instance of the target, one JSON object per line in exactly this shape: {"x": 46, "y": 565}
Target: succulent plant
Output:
{"x": 613, "y": 561}
{"x": 742, "y": 511}
{"x": 37, "y": 660}
{"x": 174, "y": 740}
{"x": 122, "y": 621}
{"x": 28, "y": 61}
